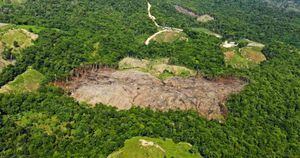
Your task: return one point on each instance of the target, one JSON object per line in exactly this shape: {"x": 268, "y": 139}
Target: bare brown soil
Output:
{"x": 200, "y": 18}
{"x": 186, "y": 11}
{"x": 229, "y": 55}
{"x": 124, "y": 89}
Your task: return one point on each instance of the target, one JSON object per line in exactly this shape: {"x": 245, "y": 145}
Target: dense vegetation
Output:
{"x": 263, "y": 120}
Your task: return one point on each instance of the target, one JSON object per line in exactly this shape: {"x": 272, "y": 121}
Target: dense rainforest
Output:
{"x": 263, "y": 120}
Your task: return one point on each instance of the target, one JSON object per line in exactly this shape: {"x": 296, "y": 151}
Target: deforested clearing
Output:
{"x": 200, "y": 18}
{"x": 17, "y": 39}
{"x": 248, "y": 55}
{"x": 159, "y": 68}
{"x": 29, "y": 81}
{"x": 205, "y": 18}
{"x": 145, "y": 147}
{"x": 128, "y": 88}
{"x": 170, "y": 36}
{"x": 252, "y": 54}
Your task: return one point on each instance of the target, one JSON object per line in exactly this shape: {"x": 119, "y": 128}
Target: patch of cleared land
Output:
{"x": 127, "y": 88}
{"x": 14, "y": 40}
{"x": 4, "y": 63}
{"x": 200, "y": 18}
{"x": 170, "y": 36}
{"x": 159, "y": 68}
{"x": 167, "y": 36}
{"x": 253, "y": 54}
{"x": 17, "y": 39}
{"x": 144, "y": 147}
{"x": 29, "y": 81}
{"x": 205, "y": 18}
{"x": 245, "y": 57}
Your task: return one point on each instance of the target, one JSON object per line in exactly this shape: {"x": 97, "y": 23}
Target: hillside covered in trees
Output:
{"x": 44, "y": 121}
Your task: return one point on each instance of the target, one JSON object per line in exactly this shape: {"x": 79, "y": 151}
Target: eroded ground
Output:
{"x": 200, "y": 18}
{"x": 123, "y": 89}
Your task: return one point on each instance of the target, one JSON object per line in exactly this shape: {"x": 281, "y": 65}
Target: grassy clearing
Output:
{"x": 205, "y": 18}
{"x": 5, "y": 27}
{"x": 235, "y": 60}
{"x": 29, "y": 81}
{"x": 14, "y": 39}
{"x": 250, "y": 54}
{"x": 253, "y": 54}
{"x": 170, "y": 36}
{"x": 159, "y": 68}
{"x": 144, "y": 147}
{"x": 17, "y": 39}
{"x": 2, "y": 64}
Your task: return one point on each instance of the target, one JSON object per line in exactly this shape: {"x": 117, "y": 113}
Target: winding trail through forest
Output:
{"x": 154, "y": 35}
{"x": 161, "y": 29}
{"x": 153, "y": 18}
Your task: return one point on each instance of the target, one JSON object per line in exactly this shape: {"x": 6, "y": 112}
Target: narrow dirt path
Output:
{"x": 162, "y": 29}
{"x": 153, "y": 36}
{"x": 153, "y": 18}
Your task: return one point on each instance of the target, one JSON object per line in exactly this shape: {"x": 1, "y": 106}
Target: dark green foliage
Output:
{"x": 7, "y": 54}
{"x": 263, "y": 120}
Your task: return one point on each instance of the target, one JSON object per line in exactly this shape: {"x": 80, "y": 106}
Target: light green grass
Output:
{"x": 5, "y": 28}
{"x": 18, "y": 36}
{"x": 15, "y": 38}
{"x": 29, "y": 81}
{"x": 170, "y": 36}
{"x": 158, "y": 67}
{"x": 165, "y": 75}
{"x": 238, "y": 61}
{"x": 248, "y": 56}
{"x": 160, "y": 149}
{"x": 253, "y": 54}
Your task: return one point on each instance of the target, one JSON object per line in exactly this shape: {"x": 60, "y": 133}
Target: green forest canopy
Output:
{"x": 263, "y": 120}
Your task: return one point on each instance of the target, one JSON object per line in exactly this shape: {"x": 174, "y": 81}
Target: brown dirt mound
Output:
{"x": 123, "y": 89}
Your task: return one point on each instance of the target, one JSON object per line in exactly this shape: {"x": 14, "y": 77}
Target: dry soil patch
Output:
{"x": 124, "y": 89}
{"x": 200, "y": 18}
